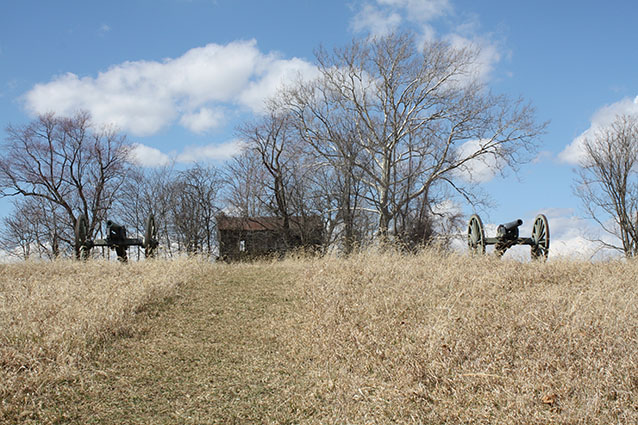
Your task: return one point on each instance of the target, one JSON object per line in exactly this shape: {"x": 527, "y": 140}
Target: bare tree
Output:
{"x": 269, "y": 140}
{"x": 607, "y": 181}
{"x": 273, "y": 145}
{"x": 399, "y": 114}
{"x": 145, "y": 192}
{"x": 67, "y": 163}
{"x": 195, "y": 208}
{"x": 338, "y": 194}
{"x": 244, "y": 177}
{"x": 34, "y": 227}
{"x": 20, "y": 234}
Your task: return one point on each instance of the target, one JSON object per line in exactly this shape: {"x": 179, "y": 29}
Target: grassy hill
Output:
{"x": 374, "y": 338}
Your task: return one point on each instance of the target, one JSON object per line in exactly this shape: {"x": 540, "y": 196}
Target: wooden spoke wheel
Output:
{"x": 540, "y": 238}
{"x": 475, "y": 235}
{"x": 150, "y": 237}
{"x": 82, "y": 247}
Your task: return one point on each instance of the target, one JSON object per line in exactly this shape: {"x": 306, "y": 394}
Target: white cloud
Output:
{"x": 211, "y": 152}
{"x": 421, "y": 10}
{"x": 447, "y": 207}
{"x": 202, "y": 120}
{"x": 384, "y": 16}
{"x": 142, "y": 97}
{"x": 376, "y": 21}
{"x": 488, "y": 52}
{"x": 480, "y": 169}
{"x": 147, "y": 156}
{"x": 381, "y": 17}
{"x": 273, "y": 75}
{"x": 446, "y": 214}
{"x": 575, "y": 237}
{"x": 574, "y": 153}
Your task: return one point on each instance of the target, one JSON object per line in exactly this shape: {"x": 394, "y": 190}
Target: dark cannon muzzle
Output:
{"x": 115, "y": 232}
{"x": 509, "y": 230}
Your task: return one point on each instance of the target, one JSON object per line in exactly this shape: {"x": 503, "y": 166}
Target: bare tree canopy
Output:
{"x": 607, "y": 181}
{"x": 34, "y": 229}
{"x": 269, "y": 142}
{"x": 275, "y": 157}
{"x": 67, "y": 164}
{"x": 195, "y": 207}
{"x": 411, "y": 120}
{"x": 148, "y": 191}
{"x": 244, "y": 177}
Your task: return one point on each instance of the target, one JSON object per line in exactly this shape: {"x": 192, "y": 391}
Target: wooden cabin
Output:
{"x": 252, "y": 237}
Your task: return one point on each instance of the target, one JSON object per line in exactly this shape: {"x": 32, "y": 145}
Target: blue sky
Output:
{"x": 574, "y": 60}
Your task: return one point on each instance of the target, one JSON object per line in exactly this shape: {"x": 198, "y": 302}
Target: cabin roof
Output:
{"x": 256, "y": 224}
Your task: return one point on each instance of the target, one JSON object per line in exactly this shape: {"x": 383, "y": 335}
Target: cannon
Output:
{"x": 116, "y": 239}
{"x": 507, "y": 236}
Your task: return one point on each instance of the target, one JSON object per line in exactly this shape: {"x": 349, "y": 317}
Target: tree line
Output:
{"x": 387, "y": 132}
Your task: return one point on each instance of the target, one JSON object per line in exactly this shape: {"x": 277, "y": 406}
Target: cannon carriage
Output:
{"x": 116, "y": 239}
{"x": 507, "y": 236}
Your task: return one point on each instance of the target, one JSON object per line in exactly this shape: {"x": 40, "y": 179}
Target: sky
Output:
{"x": 177, "y": 76}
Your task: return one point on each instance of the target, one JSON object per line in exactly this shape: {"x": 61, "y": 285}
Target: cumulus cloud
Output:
{"x": 376, "y": 21}
{"x": 480, "y": 169}
{"x": 147, "y": 156}
{"x": 271, "y": 77}
{"x": 575, "y": 237}
{"x": 143, "y": 97}
{"x": 421, "y": 10}
{"x": 202, "y": 120}
{"x": 211, "y": 152}
{"x": 574, "y": 152}
{"x": 381, "y": 17}
{"x": 384, "y": 16}
{"x": 488, "y": 56}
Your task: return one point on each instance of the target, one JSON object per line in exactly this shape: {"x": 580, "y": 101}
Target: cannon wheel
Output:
{"x": 475, "y": 235}
{"x": 540, "y": 238}
{"x": 150, "y": 237}
{"x": 81, "y": 232}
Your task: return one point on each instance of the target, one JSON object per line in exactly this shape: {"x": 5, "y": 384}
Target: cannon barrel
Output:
{"x": 115, "y": 231}
{"x": 512, "y": 224}
{"x": 112, "y": 224}
{"x": 509, "y": 230}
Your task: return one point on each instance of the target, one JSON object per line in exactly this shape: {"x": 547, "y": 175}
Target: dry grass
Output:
{"x": 446, "y": 339}
{"x": 54, "y": 316}
{"x": 375, "y": 338}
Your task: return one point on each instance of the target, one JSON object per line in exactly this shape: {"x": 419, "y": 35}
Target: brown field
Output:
{"x": 375, "y": 338}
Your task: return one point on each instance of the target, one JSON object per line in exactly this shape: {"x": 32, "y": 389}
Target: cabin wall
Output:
{"x": 243, "y": 244}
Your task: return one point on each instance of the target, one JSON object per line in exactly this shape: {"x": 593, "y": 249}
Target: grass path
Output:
{"x": 210, "y": 357}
